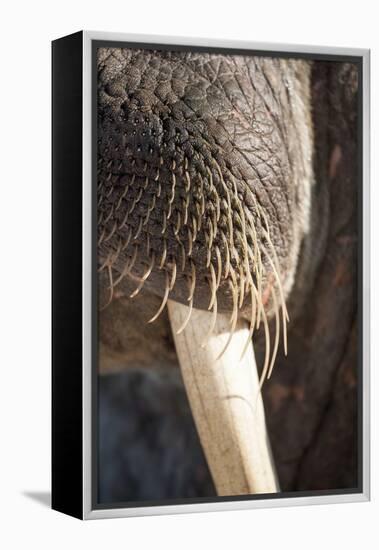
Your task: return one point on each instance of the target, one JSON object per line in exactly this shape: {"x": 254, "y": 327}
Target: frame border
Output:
{"x": 66, "y": 333}
{"x": 89, "y": 306}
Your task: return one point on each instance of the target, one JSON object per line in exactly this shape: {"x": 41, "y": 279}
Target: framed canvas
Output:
{"x": 210, "y": 275}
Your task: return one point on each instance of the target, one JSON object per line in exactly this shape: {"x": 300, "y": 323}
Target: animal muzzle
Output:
{"x": 195, "y": 218}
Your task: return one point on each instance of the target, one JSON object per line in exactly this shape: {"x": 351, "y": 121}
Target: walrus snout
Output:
{"x": 174, "y": 221}
{"x": 198, "y": 190}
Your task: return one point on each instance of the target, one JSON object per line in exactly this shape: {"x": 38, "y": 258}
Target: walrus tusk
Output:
{"x": 226, "y": 402}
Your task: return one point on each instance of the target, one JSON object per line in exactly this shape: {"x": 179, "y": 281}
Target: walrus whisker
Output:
{"x": 164, "y": 254}
{"x": 169, "y": 211}
{"x": 210, "y": 240}
{"x": 218, "y": 207}
{"x": 209, "y": 252}
{"x": 234, "y": 287}
{"x": 267, "y": 353}
{"x": 193, "y": 281}
{"x": 198, "y": 212}
{"x": 183, "y": 253}
{"x": 186, "y": 321}
{"x": 201, "y": 187}
{"x": 227, "y": 254}
{"x": 171, "y": 199}
{"x": 284, "y": 309}
{"x": 164, "y": 224}
{"x": 136, "y": 200}
{"x": 111, "y": 287}
{"x": 144, "y": 277}
{"x": 128, "y": 266}
{"x": 100, "y": 240}
{"x": 234, "y": 321}
{"x": 242, "y": 286}
{"x": 242, "y": 220}
{"x": 253, "y": 291}
{"x": 148, "y": 245}
{"x": 259, "y": 281}
{"x": 149, "y": 210}
{"x": 276, "y": 263}
{"x": 123, "y": 223}
{"x": 123, "y": 194}
{"x": 110, "y": 235}
{"x": 212, "y": 324}
{"x": 202, "y": 203}
{"x": 213, "y": 287}
{"x": 215, "y": 224}
{"x": 139, "y": 229}
{"x": 258, "y": 294}
{"x": 219, "y": 266}
{"x": 117, "y": 252}
{"x": 127, "y": 241}
{"x": 173, "y": 275}
{"x": 277, "y": 333}
{"x": 229, "y": 208}
{"x": 164, "y": 301}
{"x": 257, "y": 209}
{"x": 177, "y": 228}
{"x": 105, "y": 263}
{"x": 189, "y": 253}
{"x": 253, "y": 234}
{"x": 194, "y": 227}
{"x": 186, "y": 204}
{"x": 188, "y": 182}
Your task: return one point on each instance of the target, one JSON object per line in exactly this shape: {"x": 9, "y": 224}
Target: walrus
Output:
{"x": 228, "y": 184}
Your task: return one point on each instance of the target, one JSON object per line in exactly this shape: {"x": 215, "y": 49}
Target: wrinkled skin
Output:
{"x": 202, "y": 127}
{"x": 285, "y": 131}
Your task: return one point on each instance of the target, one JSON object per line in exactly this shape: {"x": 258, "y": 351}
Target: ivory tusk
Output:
{"x": 226, "y": 402}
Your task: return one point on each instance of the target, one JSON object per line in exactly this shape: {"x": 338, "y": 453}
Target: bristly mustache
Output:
{"x": 210, "y": 212}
